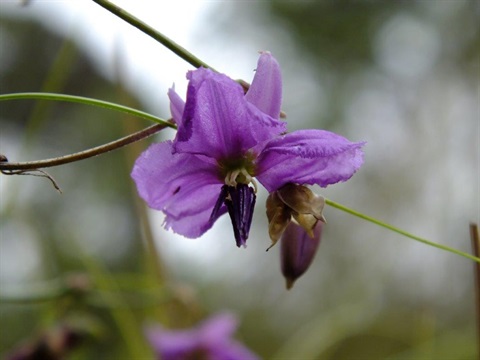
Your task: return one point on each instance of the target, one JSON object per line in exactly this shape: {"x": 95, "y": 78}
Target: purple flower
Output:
{"x": 55, "y": 343}
{"x": 210, "y": 341}
{"x": 225, "y": 138}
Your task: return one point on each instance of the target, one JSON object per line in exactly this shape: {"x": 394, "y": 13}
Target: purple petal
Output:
{"x": 219, "y": 327}
{"x": 218, "y": 122}
{"x": 177, "y": 105}
{"x": 194, "y": 225}
{"x": 266, "y": 89}
{"x": 232, "y": 350}
{"x": 220, "y": 203}
{"x": 211, "y": 340}
{"x": 308, "y": 157}
{"x": 184, "y": 186}
{"x": 172, "y": 345}
{"x": 216, "y": 334}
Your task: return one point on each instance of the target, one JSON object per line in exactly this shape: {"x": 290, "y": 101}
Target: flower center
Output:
{"x": 240, "y": 176}
{"x": 238, "y": 171}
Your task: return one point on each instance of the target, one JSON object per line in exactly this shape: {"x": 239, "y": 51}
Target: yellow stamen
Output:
{"x": 240, "y": 176}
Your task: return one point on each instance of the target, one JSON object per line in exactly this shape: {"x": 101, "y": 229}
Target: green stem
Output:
{"x": 121, "y": 313}
{"x": 85, "y": 101}
{"x": 162, "y": 39}
{"x": 399, "y": 231}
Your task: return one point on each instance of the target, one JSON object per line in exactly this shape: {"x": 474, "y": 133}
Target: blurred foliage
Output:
{"x": 91, "y": 243}
{"x": 93, "y": 227}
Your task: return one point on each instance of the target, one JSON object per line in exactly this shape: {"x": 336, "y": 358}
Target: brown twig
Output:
{"x": 34, "y": 172}
{"x": 9, "y": 168}
{"x": 474, "y": 237}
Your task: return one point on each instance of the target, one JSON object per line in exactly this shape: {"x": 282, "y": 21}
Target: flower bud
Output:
{"x": 295, "y": 202}
{"x": 297, "y": 251}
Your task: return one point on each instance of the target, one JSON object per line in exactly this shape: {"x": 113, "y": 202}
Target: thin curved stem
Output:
{"x": 85, "y": 101}
{"x": 400, "y": 231}
{"x": 162, "y": 39}
{"x": 34, "y": 165}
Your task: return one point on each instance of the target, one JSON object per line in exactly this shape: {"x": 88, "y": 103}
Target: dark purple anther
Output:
{"x": 240, "y": 203}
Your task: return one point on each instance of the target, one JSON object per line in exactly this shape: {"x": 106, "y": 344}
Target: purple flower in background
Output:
{"x": 227, "y": 137}
{"x": 210, "y": 341}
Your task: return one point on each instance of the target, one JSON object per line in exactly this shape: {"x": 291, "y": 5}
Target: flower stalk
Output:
{"x": 400, "y": 231}
{"x": 146, "y": 29}
{"x": 85, "y": 101}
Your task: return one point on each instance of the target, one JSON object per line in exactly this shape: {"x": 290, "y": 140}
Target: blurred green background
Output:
{"x": 403, "y": 76}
